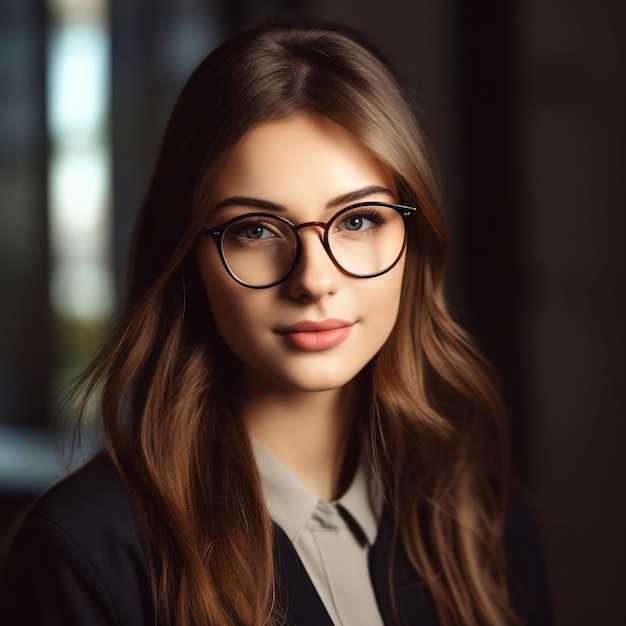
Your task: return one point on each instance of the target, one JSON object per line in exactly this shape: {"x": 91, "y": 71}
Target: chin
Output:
{"x": 316, "y": 385}
{"x": 309, "y": 380}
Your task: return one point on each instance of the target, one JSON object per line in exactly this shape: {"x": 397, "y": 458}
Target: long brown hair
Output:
{"x": 167, "y": 381}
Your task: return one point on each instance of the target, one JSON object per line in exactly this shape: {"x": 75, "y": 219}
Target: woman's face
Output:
{"x": 318, "y": 328}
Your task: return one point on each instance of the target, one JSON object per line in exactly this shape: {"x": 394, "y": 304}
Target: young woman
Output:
{"x": 295, "y": 430}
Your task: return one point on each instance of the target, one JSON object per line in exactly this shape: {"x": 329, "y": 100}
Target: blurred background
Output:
{"x": 525, "y": 107}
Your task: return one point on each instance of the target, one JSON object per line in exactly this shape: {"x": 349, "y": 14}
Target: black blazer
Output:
{"x": 79, "y": 560}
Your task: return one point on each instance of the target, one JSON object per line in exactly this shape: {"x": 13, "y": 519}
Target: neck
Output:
{"x": 310, "y": 432}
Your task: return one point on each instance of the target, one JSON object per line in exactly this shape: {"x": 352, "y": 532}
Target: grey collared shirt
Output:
{"x": 331, "y": 538}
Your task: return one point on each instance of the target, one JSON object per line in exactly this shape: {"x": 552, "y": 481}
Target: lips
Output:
{"x": 314, "y": 336}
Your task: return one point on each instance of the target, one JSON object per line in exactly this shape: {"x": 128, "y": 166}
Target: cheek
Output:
{"x": 381, "y": 306}
{"x": 235, "y": 323}
{"x": 387, "y": 295}
{"x": 222, "y": 292}
{"x": 228, "y": 306}
{"x": 239, "y": 313}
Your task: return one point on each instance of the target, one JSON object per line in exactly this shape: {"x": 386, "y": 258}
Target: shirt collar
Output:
{"x": 364, "y": 498}
{"x": 290, "y": 504}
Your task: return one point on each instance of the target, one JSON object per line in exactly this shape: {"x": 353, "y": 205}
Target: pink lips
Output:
{"x": 316, "y": 335}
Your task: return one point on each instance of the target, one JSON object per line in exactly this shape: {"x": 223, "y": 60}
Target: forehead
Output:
{"x": 299, "y": 161}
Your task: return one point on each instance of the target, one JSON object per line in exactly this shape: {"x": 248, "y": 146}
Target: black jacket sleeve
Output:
{"x": 78, "y": 558}
{"x": 50, "y": 581}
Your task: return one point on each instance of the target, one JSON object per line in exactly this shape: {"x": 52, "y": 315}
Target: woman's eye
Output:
{"x": 358, "y": 222}
{"x": 257, "y": 232}
{"x": 252, "y": 231}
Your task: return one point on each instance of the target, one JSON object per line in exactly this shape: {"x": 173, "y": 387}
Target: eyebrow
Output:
{"x": 352, "y": 196}
{"x": 360, "y": 194}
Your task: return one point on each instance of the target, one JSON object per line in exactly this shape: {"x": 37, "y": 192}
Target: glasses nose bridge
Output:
{"x": 322, "y": 237}
{"x": 321, "y": 225}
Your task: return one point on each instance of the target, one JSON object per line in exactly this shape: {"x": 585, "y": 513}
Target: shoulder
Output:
{"x": 78, "y": 556}
{"x": 528, "y": 579}
{"x": 91, "y": 509}
{"x": 88, "y": 502}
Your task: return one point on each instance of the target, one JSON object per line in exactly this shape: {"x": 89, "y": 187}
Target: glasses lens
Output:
{"x": 259, "y": 249}
{"x": 366, "y": 240}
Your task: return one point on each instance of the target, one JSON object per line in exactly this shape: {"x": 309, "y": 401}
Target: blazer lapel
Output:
{"x": 413, "y": 601}
{"x": 297, "y": 596}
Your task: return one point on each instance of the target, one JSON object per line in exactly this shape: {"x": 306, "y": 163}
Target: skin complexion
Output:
{"x": 303, "y": 341}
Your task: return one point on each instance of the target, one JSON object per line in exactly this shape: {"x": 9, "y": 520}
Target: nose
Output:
{"x": 315, "y": 275}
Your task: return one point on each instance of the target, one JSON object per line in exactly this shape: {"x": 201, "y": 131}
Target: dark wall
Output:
{"x": 572, "y": 147}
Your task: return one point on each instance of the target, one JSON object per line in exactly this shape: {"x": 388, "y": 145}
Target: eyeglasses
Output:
{"x": 364, "y": 240}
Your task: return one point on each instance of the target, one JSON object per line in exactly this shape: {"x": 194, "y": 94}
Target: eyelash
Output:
{"x": 252, "y": 223}
{"x": 371, "y": 214}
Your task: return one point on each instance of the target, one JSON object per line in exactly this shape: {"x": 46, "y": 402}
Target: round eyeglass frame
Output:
{"x": 217, "y": 234}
